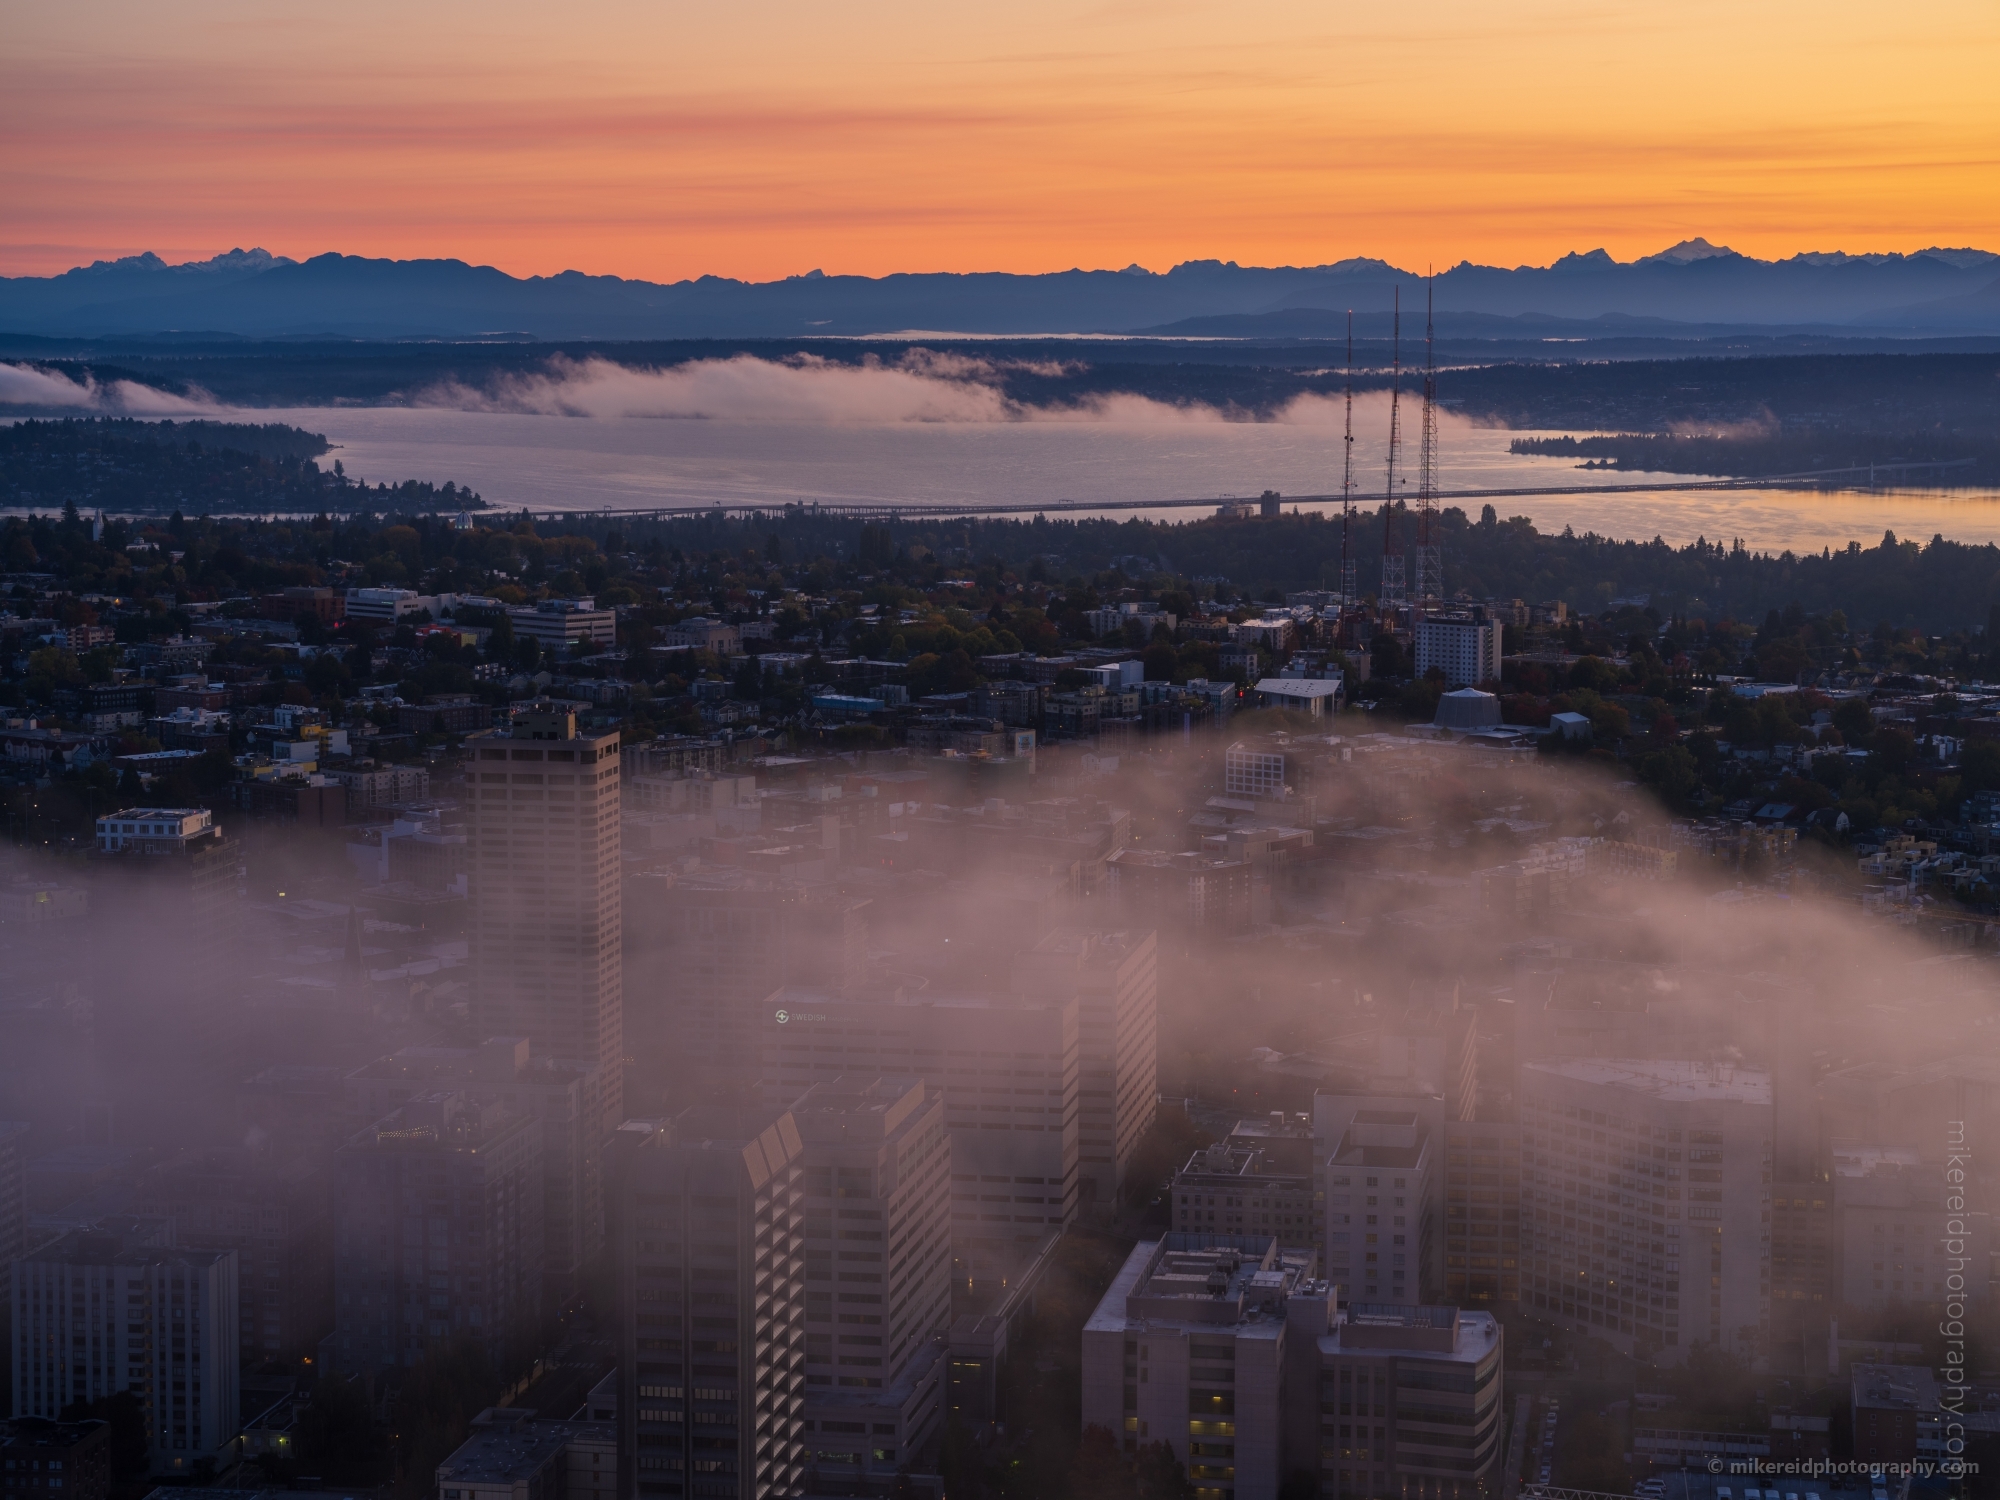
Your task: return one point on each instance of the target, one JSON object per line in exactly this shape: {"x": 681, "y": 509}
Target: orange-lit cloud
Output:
{"x": 763, "y": 139}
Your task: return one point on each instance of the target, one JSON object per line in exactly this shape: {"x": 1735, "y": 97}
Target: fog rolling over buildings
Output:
{"x": 1313, "y": 1096}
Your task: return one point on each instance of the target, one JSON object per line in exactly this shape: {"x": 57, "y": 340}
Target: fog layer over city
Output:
{"x": 556, "y": 988}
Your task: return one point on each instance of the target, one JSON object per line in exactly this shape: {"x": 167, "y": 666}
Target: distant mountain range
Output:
{"x": 1693, "y": 289}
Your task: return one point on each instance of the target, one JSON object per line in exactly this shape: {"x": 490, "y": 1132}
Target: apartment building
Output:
{"x": 1465, "y": 648}
{"x": 120, "y": 1309}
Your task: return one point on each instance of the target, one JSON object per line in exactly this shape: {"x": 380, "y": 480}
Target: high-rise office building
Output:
{"x": 437, "y": 1233}
{"x": 1009, "y": 1070}
{"x": 698, "y": 945}
{"x": 877, "y": 1227}
{"x": 562, "y": 1096}
{"x": 707, "y": 1253}
{"x": 1115, "y": 979}
{"x": 119, "y": 1309}
{"x": 1647, "y": 1212}
{"x": 546, "y": 936}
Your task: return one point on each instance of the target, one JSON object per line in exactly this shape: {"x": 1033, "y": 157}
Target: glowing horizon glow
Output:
{"x": 766, "y": 140}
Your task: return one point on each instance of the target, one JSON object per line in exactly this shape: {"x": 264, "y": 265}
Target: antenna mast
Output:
{"x": 1430, "y": 564}
{"x": 1347, "y": 599}
{"x": 1392, "y": 595}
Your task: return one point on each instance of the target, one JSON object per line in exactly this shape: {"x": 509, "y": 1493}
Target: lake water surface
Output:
{"x": 557, "y": 463}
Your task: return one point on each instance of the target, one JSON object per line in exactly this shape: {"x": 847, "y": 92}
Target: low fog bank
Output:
{"x": 1388, "y": 876}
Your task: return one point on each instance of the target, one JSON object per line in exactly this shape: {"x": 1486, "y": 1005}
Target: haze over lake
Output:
{"x": 555, "y": 463}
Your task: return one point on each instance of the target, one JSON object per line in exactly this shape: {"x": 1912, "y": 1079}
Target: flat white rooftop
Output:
{"x": 1676, "y": 1079}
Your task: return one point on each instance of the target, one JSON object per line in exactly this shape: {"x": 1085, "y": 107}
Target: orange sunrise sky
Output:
{"x": 764, "y": 138}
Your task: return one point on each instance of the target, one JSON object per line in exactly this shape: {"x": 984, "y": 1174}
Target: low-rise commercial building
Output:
{"x": 1319, "y": 697}
{"x": 1895, "y": 1414}
{"x": 562, "y": 623}
{"x": 1235, "y": 1189}
{"x": 512, "y": 1454}
{"x": 43, "y": 1460}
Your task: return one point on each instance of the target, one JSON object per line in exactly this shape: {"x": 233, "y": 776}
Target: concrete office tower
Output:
{"x": 701, "y": 944}
{"x": 437, "y": 1234}
{"x": 1188, "y": 1348}
{"x": 1009, "y": 1071}
{"x": 546, "y": 934}
{"x": 1115, "y": 979}
{"x": 1647, "y": 1219}
{"x": 707, "y": 1249}
{"x": 877, "y": 1224}
{"x": 118, "y": 1309}
{"x": 1409, "y": 1402}
{"x": 276, "y": 1213}
{"x": 563, "y": 1099}
{"x": 1381, "y": 1225}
